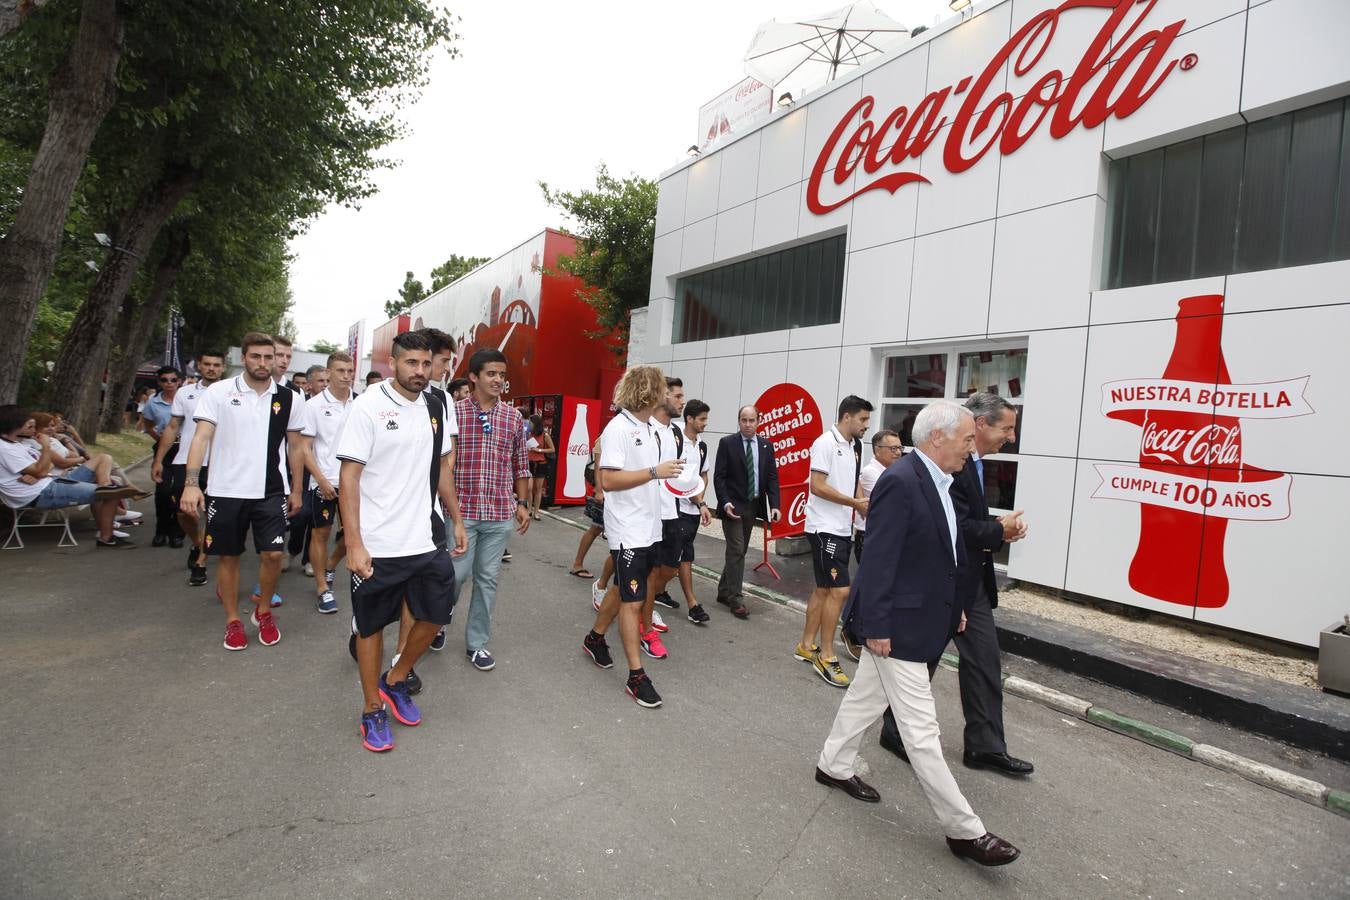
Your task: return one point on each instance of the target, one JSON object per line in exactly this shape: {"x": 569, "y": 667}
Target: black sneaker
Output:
{"x": 438, "y": 642}
{"x": 119, "y": 543}
{"x": 506, "y": 556}
{"x": 351, "y": 645}
{"x": 598, "y": 650}
{"x": 197, "y": 578}
{"x": 698, "y": 615}
{"x": 640, "y": 689}
{"x": 192, "y": 556}
{"x": 664, "y": 599}
{"x": 414, "y": 683}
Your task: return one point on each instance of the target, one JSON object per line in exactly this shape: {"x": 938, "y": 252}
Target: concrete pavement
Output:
{"x": 144, "y": 760}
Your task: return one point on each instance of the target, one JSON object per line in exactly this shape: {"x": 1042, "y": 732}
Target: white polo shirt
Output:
{"x": 15, "y": 456}
{"x": 666, "y": 443}
{"x": 243, "y": 464}
{"x": 867, "y": 479}
{"x": 632, "y": 517}
{"x": 392, "y": 437}
{"x": 832, "y": 455}
{"x": 324, "y": 417}
{"x": 185, "y": 405}
{"x": 692, "y": 459}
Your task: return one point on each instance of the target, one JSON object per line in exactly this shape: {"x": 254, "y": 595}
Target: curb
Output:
{"x": 1296, "y": 786}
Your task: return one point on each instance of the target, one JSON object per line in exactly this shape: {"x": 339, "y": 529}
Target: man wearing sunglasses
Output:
{"x": 155, "y": 418}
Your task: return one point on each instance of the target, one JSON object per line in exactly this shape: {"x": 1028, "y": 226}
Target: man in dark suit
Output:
{"x": 745, "y": 479}
{"x": 980, "y": 672}
{"x": 905, "y": 606}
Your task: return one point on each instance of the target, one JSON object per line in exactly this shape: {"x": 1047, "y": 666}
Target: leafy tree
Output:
{"x": 455, "y": 268}
{"x": 616, "y": 227}
{"x": 14, "y": 12}
{"x": 409, "y": 296}
{"x": 282, "y": 105}
{"x": 324, "y": 347}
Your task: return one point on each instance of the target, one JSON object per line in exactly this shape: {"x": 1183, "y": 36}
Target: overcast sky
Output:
{"x": 540, "y": 92}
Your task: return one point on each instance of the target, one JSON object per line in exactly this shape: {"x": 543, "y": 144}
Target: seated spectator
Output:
{"x": 67, "y": 454}
{"x": 26, "y": 479}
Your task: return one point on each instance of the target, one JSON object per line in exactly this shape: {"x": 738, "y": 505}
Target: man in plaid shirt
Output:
{"x": 492, "y": 478}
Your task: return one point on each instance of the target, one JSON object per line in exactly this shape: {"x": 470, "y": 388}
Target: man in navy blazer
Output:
{"x": 905, "y": 606}
{"x": 738, "y": 505}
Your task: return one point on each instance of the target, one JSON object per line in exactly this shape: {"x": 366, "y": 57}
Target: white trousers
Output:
{"x": 904, "y": 685}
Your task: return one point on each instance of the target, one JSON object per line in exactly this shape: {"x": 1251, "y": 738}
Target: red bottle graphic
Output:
{"x": 1196, "y": 445}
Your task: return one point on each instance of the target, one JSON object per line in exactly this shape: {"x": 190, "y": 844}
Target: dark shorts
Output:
{"x": 677, "y": 540}
{"x": 228, "y": 520}
{"x": 632, "y": 565}
{"x": 322, "y": 513}
{"x": 176, "y": 479}
{"x": 426, "y": 580}
{"x": 858, "y": 538}
{"x": 829, "y": 559}
{"x": 539, "y": 468}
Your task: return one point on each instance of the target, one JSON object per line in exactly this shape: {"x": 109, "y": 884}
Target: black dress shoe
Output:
{"x": 1010, "y": 765}
{"x": 159, "y": 540}
{"x": 988, "y": 849}
{"x": 176, "y": 543}
{"x": 890, "y": 743}
{"x": 855, "y": 787}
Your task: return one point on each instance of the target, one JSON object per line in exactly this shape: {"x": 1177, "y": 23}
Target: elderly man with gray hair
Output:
{"x": 904, "y": 607}
{"x": 984, "y": 535}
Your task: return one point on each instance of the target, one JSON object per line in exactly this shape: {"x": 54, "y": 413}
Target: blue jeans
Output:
{"x": 482, "y": 561}
{"x": 63, "y": 492}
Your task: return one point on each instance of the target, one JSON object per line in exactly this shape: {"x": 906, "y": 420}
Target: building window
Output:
{"x": 910, "y": 381}
{"x": 788, "y": 289}
{"x": 1266, "y": 195}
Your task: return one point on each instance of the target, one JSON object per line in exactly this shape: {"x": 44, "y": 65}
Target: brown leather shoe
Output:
{"x": 988, "y": 849}
{"x": 855, "y": 787}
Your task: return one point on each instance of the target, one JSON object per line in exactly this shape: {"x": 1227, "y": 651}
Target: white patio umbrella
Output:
{"x": 813, "y": 50}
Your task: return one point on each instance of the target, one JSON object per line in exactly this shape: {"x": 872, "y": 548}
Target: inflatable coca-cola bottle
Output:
{"x": 1198, "y": 445}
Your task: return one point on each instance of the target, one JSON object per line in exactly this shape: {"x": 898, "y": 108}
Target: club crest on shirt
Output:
{"x": 276, "y": 407}
{"x": 435, "y": 423}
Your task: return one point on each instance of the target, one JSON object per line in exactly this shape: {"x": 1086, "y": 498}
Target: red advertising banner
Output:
{"x": 790, "y": 420}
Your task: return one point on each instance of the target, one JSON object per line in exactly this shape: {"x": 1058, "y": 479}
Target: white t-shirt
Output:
{"x": 324, "y": 417}
{"x": 692, "y": 459}
{"x": 832, "y": 455}
{"x": 632, "y": 517}
{"x": 391, "y": 436}
{"x": 15, "y": 456}
{"x": 185, "y": 405}
{"x": 666, "y": 442}
{"x": 867, "y": 479}
{"x": 243, "y": 465}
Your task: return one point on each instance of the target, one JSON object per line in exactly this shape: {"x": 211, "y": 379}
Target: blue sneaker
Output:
{"x": 482, "y": 660}
{"x": 400, "y": 701}
{"x": 276, "y": 598}
{"x": 375, "y": 734}
{"x": 327, "y": 602}
{"x": 438, "y": 642}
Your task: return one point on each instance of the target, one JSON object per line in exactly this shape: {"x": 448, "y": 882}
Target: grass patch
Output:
{"x": 126, "y": 448}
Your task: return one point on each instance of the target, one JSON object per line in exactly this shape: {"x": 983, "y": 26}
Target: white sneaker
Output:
{"x": 657, "y": 622}
{"x": 129, "y": 516}
{"x": 309, "y": 570}
{"x": 120, "y": 534}
{"x": 597, "y": 595}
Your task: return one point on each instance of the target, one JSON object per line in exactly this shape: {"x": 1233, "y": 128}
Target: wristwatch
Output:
{"x": 651, "y": 470}
{"x": 520, "y": 502}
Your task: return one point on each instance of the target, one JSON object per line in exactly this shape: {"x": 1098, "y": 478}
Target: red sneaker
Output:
{"x": 235, "y": 639}
{"x": 268, "y": 632}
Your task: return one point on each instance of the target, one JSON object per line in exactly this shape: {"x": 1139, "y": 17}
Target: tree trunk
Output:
{"x": 84, "y": 352}
{"x": 82, "y": 91}
{"x": 140, "y": 324}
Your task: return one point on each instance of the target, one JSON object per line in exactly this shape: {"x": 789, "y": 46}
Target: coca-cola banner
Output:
{"x": 794, "y": 511}
{"x": 1193, "y": 478}
{"x": 1121, "y": 67}
{"x": 790, "y": 420}
{"x": 735, "y": 111}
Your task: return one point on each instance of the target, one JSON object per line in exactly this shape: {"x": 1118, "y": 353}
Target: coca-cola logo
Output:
{"x": 1213, "y": 445}
{"x": 797, "y": 511}
{"x": 1133, "y": 65}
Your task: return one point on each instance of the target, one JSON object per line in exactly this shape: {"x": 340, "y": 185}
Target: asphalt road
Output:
{"x": 142, "y": 759}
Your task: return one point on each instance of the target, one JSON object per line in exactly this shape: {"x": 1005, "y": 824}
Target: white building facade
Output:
{"x": 1131, "y": 220}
